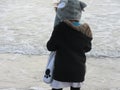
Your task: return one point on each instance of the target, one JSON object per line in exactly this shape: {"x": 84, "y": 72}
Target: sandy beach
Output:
{"x": 25, "y": 72}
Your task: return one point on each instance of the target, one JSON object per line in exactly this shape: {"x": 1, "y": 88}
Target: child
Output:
{"x": 71, "y": 40}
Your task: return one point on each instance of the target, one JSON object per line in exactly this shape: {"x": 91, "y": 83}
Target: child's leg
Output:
{"x": 56, "y": 89}
{"x": 72, "y": 88}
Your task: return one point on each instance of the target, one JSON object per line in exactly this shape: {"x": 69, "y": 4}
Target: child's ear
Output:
{"x": 82, "y": 5}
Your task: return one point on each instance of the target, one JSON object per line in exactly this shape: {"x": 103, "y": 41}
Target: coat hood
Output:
{"x": 83, "y": 28}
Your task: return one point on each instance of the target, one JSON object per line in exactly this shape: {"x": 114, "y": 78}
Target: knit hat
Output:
{"x": 72, "y": 10}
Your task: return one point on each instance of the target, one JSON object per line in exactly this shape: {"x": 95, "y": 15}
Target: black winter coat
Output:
{"x": 70, "y": 44}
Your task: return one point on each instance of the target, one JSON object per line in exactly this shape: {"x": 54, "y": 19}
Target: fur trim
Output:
{"x": 84, "y": 28}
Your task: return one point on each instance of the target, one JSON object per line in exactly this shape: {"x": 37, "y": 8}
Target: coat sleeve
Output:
{"x": 55, "y": 39}
{"x": 52, "y": 44}
{"x": 88, "y": 46}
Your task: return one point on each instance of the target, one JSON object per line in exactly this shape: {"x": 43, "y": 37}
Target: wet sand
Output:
{"x": 24, "y": 72}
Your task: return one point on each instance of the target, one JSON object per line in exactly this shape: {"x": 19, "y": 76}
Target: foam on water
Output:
{"x": 25, "y": 26}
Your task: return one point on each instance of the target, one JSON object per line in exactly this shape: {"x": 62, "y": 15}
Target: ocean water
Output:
{"x": 26, "y": 25}
{"x": 105, "y": 22}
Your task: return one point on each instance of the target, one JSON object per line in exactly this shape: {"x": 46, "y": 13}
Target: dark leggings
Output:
{"x": 71, "y": 88}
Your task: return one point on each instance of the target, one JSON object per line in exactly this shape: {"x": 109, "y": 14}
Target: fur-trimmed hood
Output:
{"x": 84, "y": 28}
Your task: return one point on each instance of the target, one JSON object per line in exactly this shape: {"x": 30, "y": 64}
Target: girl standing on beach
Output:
{"x": 71, "y": 40}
